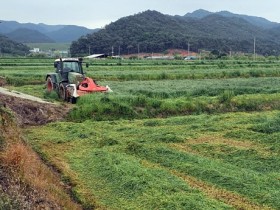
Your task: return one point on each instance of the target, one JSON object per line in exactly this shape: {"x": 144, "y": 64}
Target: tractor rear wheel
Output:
{"x": 49, "y": 84}
{"x": 62, "y": 91}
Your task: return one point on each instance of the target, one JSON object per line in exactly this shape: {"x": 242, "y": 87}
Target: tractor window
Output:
{"x": 74, "y": 66}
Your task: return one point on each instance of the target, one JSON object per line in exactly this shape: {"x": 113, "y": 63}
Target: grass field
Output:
{"x": 172, "y": 135}
{"x": 49, "y": 46}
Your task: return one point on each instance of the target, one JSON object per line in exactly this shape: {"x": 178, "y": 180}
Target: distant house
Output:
{"x": 35, "y": 50}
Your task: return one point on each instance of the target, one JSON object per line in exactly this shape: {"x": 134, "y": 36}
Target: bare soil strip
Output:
{"x": 29, "y": 111}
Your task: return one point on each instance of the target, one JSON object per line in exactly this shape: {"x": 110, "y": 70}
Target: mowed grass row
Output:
{"x": 147, "y": 99}
{"x": 179, "y": 70}
{"x": 25, "y": 71}
{"x": 160, "y": 95}
{"x": 203, "y": 87}
{"x": 32, "y": 71}
{"x": 100, "y": 107}
{"x": 224, "y": 161}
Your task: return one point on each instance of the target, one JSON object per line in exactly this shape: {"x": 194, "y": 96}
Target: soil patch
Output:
{"x": 30, "y": 112}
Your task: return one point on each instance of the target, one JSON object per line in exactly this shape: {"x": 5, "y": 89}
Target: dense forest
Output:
{"x": 151, "y": 31}
{"x": 9, "y": 47}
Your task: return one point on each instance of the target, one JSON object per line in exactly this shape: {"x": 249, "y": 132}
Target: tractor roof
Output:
{"x": 67, "y": 59}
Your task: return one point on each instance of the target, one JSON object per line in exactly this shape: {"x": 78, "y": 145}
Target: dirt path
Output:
{"x": 21, "y": 95}
{"x": 30, "y": 110}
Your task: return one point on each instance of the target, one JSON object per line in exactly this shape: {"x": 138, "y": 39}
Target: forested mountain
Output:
{"x": 42, "y": 33}
{"x": 25, "y": 35}
{"x": 69, "y": 33}
{"x": 151, "y": 31}
{"x": 257, "y": 21}
{"x": 8, "y": 46}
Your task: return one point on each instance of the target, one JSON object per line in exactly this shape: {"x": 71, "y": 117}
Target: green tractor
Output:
{"x": 69, "y": 80}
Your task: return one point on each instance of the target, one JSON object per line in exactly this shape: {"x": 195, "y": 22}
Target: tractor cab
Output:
{"x": 69, "y": 69}
{"x": 69, "y": 64}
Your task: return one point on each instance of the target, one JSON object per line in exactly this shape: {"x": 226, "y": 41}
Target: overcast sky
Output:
{"x": 98, "y": 13}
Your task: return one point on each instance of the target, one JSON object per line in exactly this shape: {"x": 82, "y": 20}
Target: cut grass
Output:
{"x": 217, "y": 161}
{"x": 154, "y": 163}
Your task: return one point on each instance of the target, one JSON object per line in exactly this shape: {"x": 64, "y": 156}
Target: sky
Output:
{"x": 97, "y": 14}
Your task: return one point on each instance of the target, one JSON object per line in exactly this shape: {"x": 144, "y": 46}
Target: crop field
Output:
{"x": 49, "y": 46}
{"x": 171, "y": 135}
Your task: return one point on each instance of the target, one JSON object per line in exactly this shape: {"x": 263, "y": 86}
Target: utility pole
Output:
{"x": 138, "y": 51}
{"x": 254, "y": 48}
{"x": 188, "y": 48}
{"x": 112, "y": 51}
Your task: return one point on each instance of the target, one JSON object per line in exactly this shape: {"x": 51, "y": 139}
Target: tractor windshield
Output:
{"x": 73, "y": 66}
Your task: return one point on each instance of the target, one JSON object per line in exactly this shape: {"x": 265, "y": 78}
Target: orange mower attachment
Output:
{"x": 88, "y": 85}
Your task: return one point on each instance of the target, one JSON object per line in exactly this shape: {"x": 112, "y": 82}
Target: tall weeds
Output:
{"x": 30, "y": 176}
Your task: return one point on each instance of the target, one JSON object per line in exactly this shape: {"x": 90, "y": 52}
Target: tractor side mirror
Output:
{"x": 55, "y": 64}
{"x": 87, "y": 65}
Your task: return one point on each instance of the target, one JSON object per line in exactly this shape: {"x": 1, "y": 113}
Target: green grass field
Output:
{"x": 172, "y": 135}
{"x": 49, "y": 46}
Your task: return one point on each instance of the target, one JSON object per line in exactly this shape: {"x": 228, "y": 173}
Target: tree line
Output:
{"x": 152, "y": 31}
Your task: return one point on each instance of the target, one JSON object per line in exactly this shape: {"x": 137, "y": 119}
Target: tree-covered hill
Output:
{"x": 151, "y": 31}
{"x": 257, "y": 21}
{"x": 25, "y": 35}
{"x": 42, "y": 33}
{"x": 10, "y": 47}
{"x": 69, "y": 33}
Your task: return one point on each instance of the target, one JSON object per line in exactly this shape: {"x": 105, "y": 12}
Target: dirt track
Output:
{"x": 21, "y": 95}
{"x": 31, "y": 110}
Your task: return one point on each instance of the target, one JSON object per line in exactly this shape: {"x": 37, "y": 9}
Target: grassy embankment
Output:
{"x": 26, "y": 182}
